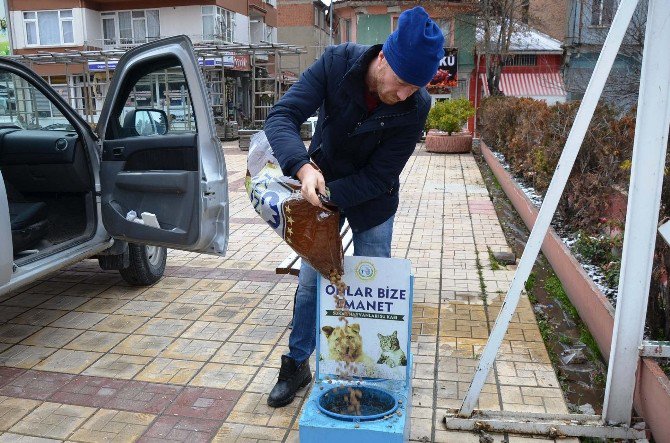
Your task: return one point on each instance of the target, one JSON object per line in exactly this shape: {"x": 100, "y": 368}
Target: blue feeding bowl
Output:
{"x": 373, "y": 403}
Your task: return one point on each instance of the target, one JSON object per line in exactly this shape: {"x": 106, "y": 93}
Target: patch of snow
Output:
{"x": 595, "y": 273}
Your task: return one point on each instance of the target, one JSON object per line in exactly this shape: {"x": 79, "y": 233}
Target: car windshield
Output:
{"x": 59, "y": 127}
{"x": 24, "y": 106}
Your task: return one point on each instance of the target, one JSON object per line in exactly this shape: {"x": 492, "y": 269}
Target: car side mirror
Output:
{"x": 149, "y": 121}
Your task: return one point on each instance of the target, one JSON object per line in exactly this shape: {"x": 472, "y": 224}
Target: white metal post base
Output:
{"x": 658, "y": 349}
{"x": 538, "y": 424}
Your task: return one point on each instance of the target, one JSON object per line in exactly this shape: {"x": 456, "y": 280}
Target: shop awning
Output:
{"x": 529, "y": 84}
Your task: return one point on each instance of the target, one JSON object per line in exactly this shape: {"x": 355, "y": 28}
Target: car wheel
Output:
{"x": 147, "y": 264}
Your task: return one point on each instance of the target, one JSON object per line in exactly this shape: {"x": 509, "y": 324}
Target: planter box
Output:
{"x": 231, "y": 131}
{"x": 652, "y": 390}
{"x": 441, "y": 142}
{"x": 220, "y": 130}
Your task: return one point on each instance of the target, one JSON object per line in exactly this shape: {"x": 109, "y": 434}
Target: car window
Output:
{"x": 165, "y": 91}
{"x": 23, "y": 105}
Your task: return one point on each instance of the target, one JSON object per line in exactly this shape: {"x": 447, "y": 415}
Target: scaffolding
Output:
{"x": 272, "y": 68}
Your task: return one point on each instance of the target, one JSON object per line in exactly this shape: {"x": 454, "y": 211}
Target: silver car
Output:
{"x": 122, "y": 195}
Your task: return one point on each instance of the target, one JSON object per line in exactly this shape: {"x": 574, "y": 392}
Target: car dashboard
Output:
{"x": 37, "y": 160}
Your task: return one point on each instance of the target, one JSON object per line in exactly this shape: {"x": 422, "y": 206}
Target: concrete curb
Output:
{"x": 652, "y": 391}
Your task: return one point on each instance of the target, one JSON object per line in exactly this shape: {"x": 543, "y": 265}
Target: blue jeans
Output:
{"x": 375, "y": 242}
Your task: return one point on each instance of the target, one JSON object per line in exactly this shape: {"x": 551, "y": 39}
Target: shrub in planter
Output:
{"x": 444, "y": 123}
{"x": 531, "y": 136}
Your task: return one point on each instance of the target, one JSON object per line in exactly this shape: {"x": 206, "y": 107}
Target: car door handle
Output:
{"x": 118, "y": 151}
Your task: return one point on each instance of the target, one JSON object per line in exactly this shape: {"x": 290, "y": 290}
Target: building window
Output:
{"x": 445, "y": 27}
{"x": 130, "y": 27}
{"x": 602, "y": 12}
{"x": 319, "y": 18}
{"x": 109, "y": 28}
{"x": 257, "y": 30}
{"x": 347, "y": 30}
{"x": 270, "y": 34}
{"x": 218, "y": 24}
{"x": 521, "y": 60}
{"x": 48, "y": 28}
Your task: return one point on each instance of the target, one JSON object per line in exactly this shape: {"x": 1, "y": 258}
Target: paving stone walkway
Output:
{"x": 84, "y": 357}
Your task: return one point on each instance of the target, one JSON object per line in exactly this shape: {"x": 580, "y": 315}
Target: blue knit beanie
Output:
{"x": 415, "y": 48}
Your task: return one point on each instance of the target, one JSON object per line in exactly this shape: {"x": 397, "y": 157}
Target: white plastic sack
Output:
{"x": 312, "y": 232}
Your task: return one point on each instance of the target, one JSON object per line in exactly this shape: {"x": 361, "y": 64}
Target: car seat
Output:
{"x": 28, "y": 220}
{"x": 29, "y": 224}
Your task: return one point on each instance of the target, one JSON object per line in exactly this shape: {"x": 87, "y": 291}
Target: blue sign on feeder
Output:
{"x": 372, "y": 402}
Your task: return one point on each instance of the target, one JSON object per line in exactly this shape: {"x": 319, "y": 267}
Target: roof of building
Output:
{"x": 525, "y": 39}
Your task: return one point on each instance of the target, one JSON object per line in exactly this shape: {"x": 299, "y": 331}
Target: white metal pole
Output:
{"x": 644, "y": 195}
{"x": 575, "y": 138}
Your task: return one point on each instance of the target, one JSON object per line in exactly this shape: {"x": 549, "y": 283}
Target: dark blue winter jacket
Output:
{"x": 361, "y": 156}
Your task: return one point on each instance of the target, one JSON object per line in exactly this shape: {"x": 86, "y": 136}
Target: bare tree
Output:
{"x": 498, "y": 21}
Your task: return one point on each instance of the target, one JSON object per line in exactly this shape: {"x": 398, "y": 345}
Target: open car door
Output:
{"x": 163, "y": 175}
{"x": 6, "y": 258}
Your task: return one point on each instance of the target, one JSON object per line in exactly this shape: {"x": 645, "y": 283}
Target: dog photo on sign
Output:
{"x": 345, "y": 343}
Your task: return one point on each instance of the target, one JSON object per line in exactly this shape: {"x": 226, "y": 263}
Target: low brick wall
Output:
{"x": 652, "y": 391}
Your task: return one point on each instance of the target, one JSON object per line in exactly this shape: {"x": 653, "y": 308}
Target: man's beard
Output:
{"x": 380, "y": 94}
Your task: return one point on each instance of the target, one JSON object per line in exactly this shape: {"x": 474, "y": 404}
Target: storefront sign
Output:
{"x": 447, "y": 73}
{"x": 241, "y": 63}
{"x": 102, "y": 66}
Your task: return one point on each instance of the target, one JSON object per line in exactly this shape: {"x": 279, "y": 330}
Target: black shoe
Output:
{"x": 291, "y": 378}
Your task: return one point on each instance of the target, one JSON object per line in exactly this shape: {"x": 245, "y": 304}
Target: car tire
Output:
{"x": 147, "y": 264}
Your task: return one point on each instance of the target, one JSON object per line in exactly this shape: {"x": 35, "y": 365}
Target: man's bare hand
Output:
{"x": 313, "y": 184}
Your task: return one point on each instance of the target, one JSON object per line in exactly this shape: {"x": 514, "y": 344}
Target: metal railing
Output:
{"x": 127, "y": 43}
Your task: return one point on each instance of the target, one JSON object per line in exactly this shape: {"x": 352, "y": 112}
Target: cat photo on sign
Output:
{"x": 392, "y": 354}
{"x": 345, "y": 343}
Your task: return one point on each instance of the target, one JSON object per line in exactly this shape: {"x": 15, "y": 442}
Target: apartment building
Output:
{"x": 588, "y": 24}
{"x": 304, "y": 23}
{"x": 62, "y": 26}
